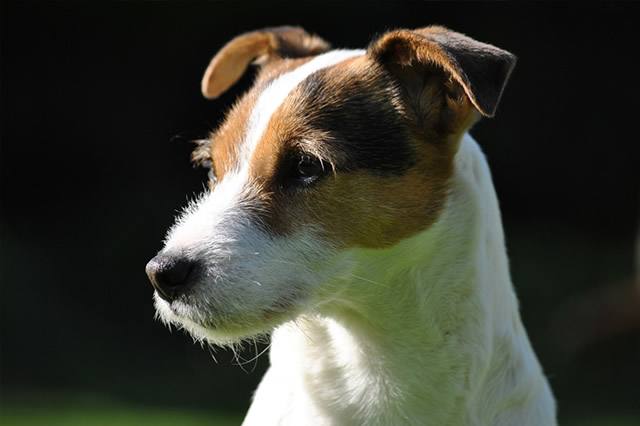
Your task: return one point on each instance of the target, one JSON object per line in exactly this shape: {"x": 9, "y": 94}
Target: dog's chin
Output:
{"x": 221, "y": 330}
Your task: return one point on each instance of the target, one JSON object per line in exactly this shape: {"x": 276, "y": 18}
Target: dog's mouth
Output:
{"x": 211, "y": 320}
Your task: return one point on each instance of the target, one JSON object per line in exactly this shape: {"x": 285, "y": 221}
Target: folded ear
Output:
{"x": 228, "y": 65}
{"x": 480, "y": 69}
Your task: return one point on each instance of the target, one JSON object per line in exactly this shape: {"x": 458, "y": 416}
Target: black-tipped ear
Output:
{"x": 228, "y": 65}
{"x": 482, "y": 70}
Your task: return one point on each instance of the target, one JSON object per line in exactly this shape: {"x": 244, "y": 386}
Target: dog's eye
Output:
{"x": 309, "y": 169}
{"x": 211, "y": 174}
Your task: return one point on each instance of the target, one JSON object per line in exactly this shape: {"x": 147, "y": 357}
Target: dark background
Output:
{"x": 99, "y": 101}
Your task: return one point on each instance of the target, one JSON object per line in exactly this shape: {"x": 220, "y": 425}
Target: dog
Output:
{"x": 351, "y": 215}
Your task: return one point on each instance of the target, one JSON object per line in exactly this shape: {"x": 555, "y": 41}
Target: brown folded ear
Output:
{"x": 228, "y": 65}
{"x": 482, "y": 70}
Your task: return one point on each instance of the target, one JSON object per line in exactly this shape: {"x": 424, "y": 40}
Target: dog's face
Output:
{"x": 330, "y": 150}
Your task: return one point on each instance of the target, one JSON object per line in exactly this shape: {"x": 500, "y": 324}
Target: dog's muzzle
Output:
{"x": 171, "y": 275}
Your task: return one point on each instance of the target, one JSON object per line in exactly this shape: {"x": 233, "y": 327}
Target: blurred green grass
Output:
{"x": 123, "y": 415}
{"x": 109, "y": 415}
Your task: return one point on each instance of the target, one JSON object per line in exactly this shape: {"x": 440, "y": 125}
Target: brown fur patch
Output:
{"x": 360, "y": 204}
{"x": 361, "y": 210}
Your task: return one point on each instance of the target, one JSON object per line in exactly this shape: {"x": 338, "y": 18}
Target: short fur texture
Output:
{"x": 350, "y": 212}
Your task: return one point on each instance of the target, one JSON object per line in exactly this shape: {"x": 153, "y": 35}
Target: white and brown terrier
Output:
{"x": 350, "y": 213}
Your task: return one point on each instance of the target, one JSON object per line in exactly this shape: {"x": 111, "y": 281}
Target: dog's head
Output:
{"x": 329, "y": 151}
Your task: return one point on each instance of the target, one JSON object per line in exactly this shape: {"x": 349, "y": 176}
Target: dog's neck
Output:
{"x": 428, "y": 329}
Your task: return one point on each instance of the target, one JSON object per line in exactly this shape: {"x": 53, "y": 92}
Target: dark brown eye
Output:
{"x": 211, "y": 174}
{"x": 309, "y": 169}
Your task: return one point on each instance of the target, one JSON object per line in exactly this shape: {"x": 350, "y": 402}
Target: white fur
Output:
{"x": 424, "y": 333}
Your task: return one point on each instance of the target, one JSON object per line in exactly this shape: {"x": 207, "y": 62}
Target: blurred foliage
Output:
{"x": 110, "y": 414}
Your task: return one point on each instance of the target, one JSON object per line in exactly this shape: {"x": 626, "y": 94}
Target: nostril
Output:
{"x": 169, "y": 275}
{"x": 175, "y": 272}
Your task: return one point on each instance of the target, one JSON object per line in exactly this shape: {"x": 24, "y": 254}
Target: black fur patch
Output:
{"x": 360, "y": 115}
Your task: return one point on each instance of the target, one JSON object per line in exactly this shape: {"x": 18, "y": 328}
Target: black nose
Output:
{"x": 170, "y": 275}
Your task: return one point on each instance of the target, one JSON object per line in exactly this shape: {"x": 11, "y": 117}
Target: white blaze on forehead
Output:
{"x": 217, "y": 217}
{"x": 278, "y": 90}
